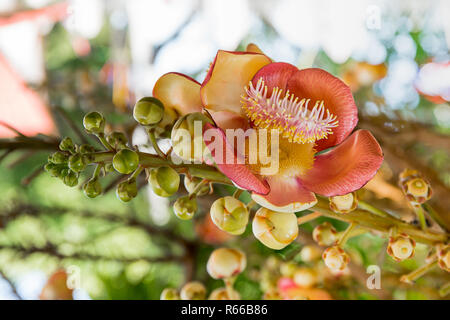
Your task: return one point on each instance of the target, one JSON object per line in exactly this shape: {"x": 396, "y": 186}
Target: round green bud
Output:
{"x": 191, "y": 183}
{"x": 230, "y": 215}
{"x": 71, "y": 179}
{"x": 94, "y": 122}
{"x": 92, "y": 188}
{"x": 52, "y": 169}
{"x": 64, "y": 172}
{"x": 170, "y": 294}
{"x": 66, "y": 144}
{"x": 126, "y": 161}
{"x": 127, "y": 190}
{"x": 59, "y": 158}
{"x": 148, "y": 111}
{"x": 77, "y": 162}
{"x": 117, "y": 140}
{"x": 86, "y": 148}
{"x": 185, "y": 207}
{"x": 164, "y": 181}
{"x": 187, "y": 136}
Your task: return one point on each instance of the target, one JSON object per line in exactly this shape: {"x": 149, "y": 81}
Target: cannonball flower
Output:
{"x": 310, "y": 109}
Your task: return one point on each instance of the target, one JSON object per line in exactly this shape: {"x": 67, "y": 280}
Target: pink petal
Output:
{"x": 229, "y": 120}
{"x": 346, "y": 168}
{"x": 286, "y": 195}
{"x": 231, "y": 164}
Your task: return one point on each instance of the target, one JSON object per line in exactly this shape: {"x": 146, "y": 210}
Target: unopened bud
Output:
{"x": 193, "y": 290}
{"x": 191, "y": 183}
{"x": 274, "y": 229}
{"x": 86, "y": 148}
{"x": 59, "y": 158}
{"x": 185, "y": 207}
{"x": 78, "y": 162}
{"x": 222, "y": 294}
{"x": 92, "y": 188}
{"x": 187, "y": 136}
{"x": 148, "y": 111}
{"x": 310, "y": 253}
{"x": 169, "y": 294}
{"x": 443, "y": 256}
{"x": 125, "y": 161}
{"x": 165, "y": 181}
{"x": 325, "y": 234}
{"x": 94, "y": 122}
{"x": 305, "y": 277}
{"x": 401, "y": 247}
{"x": 344, "y": 204}
{"x": 127, "y": 190}
{"x": 230, "y": 215}
{"x": 335, "y": 258}
{"x": 415, "y": 188}
{"x": 71, "y": 179}
{"x": 117, "y": 140}
{"x": 224, "y": 263}
{"x": 66, "y": 144}
{"x": 53, "y": 169}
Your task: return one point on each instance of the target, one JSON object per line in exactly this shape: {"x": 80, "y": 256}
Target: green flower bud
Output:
{"x": 187, "y": 136}
{"x": 191, "y": 183}
{"x": 77, "y": 162}
{"x": 127, "y": 190}
{"x": 94, "y": 122}
{"x": 185, "y": 207}
{"x": 86, "y": 148}
{"x": 59, "y": 158}
{"x": 53, "y": 169}
{"x": 170, "y": 294}
{"x": 126, "y": 161}
{"x": 66, "y": 144}
{"x": 230, "y": 215}
{"x": 92, "y": 188}
{"x": 165, "y": 181}
{"x": 148, "y": 111}
{"x": 71, "y": 179}
{"x": 117, "y": 140}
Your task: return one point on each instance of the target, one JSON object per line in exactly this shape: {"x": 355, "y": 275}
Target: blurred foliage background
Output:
{"x": 59, "y": 60}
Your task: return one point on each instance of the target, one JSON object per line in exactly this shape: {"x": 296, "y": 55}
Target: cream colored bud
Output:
{"x": 443, "y": 255}
{"x": 344, "y": 204}
{"x": 222, "y": 294}
{"x": 274, "y": 229}
{"x": 193, "y": 290}
{"x": 401, "y": 247}
{"x": 335, "y": 258}
{"x": 230, "y": 215}
{"x": 169, "y": 294}
{"x": 224, "y": 263}
{"x": 305, "y": 277}
{"x": 325, "y": 234}
{"x": 310, "y": 253}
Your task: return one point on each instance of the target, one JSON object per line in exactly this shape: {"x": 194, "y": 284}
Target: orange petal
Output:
{"x": 229, "y": 74}
{"x": 346, "y": 168}
{"x": 179, "y": 92}
{"x": 286, "y": 195}
{"x": 230, "y": 120}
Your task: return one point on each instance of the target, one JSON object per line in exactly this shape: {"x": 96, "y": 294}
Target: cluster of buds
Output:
{"x": 416, "y": 189}
{"x": 401, "y": 247}
{"x": 61, "y": 164}
{"x": 335, "y": 258}
{"x": 345, "y": 203}
{"x": 274, "y": 229}
{"x": 325, "y": 234}
{"x": 230, "y": 215}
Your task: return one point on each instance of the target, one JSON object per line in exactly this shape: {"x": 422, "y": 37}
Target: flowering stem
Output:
{"x": 411, "y": 277}
{"x": 101, "y": 137}
{"x": 346, "y": 235}
{"x": 97, "y": 170}
{"x": 436, "y": 216}
{"x": 421, "y": 216}
{"x": 308, "y": 217}
{"x": 151, "y": 135}
{"x": 229, "y": 287}
{"x": 371, "y": 221}
{"x": 368, "y": 207}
